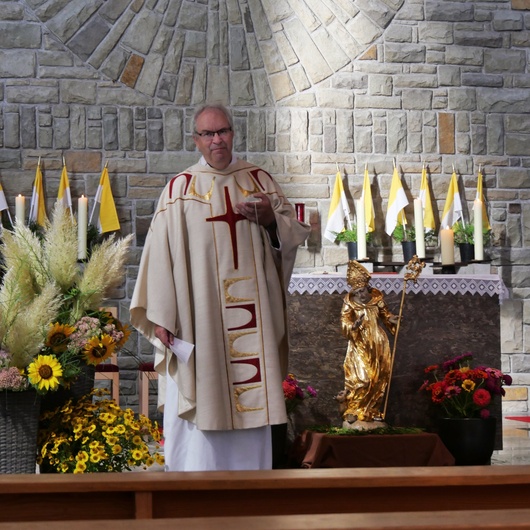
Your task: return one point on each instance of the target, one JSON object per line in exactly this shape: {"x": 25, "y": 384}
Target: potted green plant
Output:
{"x": 349, "y": 236}
{"x": 465, "y": 239}
{"x": 407, "y": 237}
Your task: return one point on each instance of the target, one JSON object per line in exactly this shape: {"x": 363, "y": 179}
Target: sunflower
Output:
{"x": 126, "y": 330}
{"x": 58, "y": 335}
{"x": 99, "y": 349}
{"x": 44, "y": 372}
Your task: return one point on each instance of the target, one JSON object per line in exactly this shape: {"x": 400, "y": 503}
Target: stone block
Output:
{"x": 364, "y": 29}
{"x": 435, "y": 32}
{"x": 446, "y": 133}
{"x": 441, "y": 10}
{"x": 17, "y": 63}
{"x": 142, "y": 31}
{"x": 315, "y": 65}
{"x": 417, "y": 99}
{"x": 483, "y": 39}
{"x": 496, "y": 61}
{"x": 404, "y": 53}
{"x": 473, "y": 56}
{"x": 23, "y": 35}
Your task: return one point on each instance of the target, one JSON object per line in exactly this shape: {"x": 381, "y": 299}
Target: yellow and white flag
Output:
{"x": 3, "y": 203}
{"x": 397, "y": 200}
{"x": 480, "y": 196}
{"x": 425, "y": 196}
{"x": 104, "y": 207}
{"x": 453, "y": 205}
{"x": 366, "y": 197}
{"x": 64, "y": 196}
{"x": 37, "y": 209}
{"x": 338, "y": 210}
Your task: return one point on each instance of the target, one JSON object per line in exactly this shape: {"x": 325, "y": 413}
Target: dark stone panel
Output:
{"x": 433, "y": 328}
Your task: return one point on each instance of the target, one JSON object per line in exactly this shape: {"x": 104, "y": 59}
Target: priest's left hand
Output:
{"x": 258, "y": 211}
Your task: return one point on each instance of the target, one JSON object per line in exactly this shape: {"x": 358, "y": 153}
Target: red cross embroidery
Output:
{"x": 231, "y": 217}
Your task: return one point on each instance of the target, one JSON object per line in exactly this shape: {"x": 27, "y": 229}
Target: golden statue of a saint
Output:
{"x": 368, "y": 363}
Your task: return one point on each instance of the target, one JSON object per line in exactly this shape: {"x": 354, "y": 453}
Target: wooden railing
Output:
{"x": 146, "y": 495}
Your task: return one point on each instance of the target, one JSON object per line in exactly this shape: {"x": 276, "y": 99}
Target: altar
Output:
{"x": 443, "y": 316}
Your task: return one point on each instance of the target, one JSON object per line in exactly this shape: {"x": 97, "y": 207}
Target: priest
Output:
{"x": 210, "y": 296}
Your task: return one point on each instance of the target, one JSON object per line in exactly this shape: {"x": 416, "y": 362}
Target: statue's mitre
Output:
{"x": 357, "y": 276}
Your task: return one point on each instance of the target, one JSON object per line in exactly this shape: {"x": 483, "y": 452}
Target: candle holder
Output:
{"x": 300, "y": 211}
{"x": 448, "y": 269}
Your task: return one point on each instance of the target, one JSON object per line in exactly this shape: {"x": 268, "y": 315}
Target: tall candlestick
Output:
{"x": 447, "y": 244}
{"x": 477, "y": 233}
{"x": 419, "y": 228}
{"x": 361, "y": 230}
{"x": 82, "y": 216}
{"x": 20, "y": 209}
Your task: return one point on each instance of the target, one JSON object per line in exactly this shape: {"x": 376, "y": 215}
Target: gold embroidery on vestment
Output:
{"x": 228, "y": 283}
{"x": 207, "y": 196}
{"x": 238, "y": 392}
{"x": 232, "y": 337}
{"x": 247, "y": 193}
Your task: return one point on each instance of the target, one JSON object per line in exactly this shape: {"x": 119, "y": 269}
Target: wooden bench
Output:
{"x": 146, "y": 495}
{"x": 471, "y": 520}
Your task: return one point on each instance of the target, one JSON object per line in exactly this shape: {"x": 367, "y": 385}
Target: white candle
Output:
{"x": 82, "y": 216}
{"x": 361, "y": 230}
{"x": 419, "y": 228}
{"x": 477, "y": 233}
{"x": 447, "y": 244}
{"x": 20, "y": 209}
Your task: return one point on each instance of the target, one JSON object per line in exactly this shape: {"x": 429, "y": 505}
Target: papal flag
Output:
{"x": 366, "y": 197}
{"x": 397, "y": 200}
{"x": 3, "y": 203}
{"x": 37, "y": 209}
{"x": 104, "y": 208}
{"x": 64, "y": 196}
{"x": 338, "y": 211}
{"x": 480, "y": 196}
{"x": 425, "y": 197}
{"x": 453, "y": 205}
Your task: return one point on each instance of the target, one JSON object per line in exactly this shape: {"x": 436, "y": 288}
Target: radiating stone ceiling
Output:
{"x": 186, "y": 51}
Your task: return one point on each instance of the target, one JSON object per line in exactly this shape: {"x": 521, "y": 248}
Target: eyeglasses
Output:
{"x": 209, "y": 135}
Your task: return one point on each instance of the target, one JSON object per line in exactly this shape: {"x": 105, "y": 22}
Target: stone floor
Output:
{"x": 516, "y": 444}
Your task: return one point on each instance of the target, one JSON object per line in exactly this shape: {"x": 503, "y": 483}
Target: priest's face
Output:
{"x": 214, "y": 138}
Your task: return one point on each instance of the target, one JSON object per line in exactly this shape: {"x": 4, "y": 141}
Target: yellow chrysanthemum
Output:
{"x": 468, "y": 385}
{"x": 58, "y": 335}
{"x": 137, "y": 440}
{"x": 99, "y": 349}
{"x": 116, "y": 449}
{"x": 44, "y": 372}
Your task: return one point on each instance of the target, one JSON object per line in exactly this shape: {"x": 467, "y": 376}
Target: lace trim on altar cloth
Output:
{"x": 484, "y": 285}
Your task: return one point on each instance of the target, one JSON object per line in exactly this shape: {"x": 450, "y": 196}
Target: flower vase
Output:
{"x": 467, "y": 252}
{"x": 470, "y": 440}
{"x": 409, "y": 249}
{"x": 352, "y": 250}
{"x": 19, "y": 422}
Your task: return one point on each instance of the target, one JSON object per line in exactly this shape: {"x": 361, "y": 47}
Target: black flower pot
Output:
{"x": 352, "y": 250}
{"x": 467, "y": 252}
{"x": 470, "y": 440}
{"x": 409, "y": 249}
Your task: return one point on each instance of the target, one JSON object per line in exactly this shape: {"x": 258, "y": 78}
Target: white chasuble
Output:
{"x": 212, "y": 278}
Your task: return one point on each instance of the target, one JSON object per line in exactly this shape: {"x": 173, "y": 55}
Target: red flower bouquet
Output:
{"x": 294, "y": 394}
{"x": 463, "y": 391}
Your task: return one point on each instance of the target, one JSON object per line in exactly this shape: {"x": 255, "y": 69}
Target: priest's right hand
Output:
{"x": 165, "y": 336}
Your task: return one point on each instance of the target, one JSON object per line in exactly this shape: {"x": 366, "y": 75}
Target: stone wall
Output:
{"x": 313, "y": 85}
